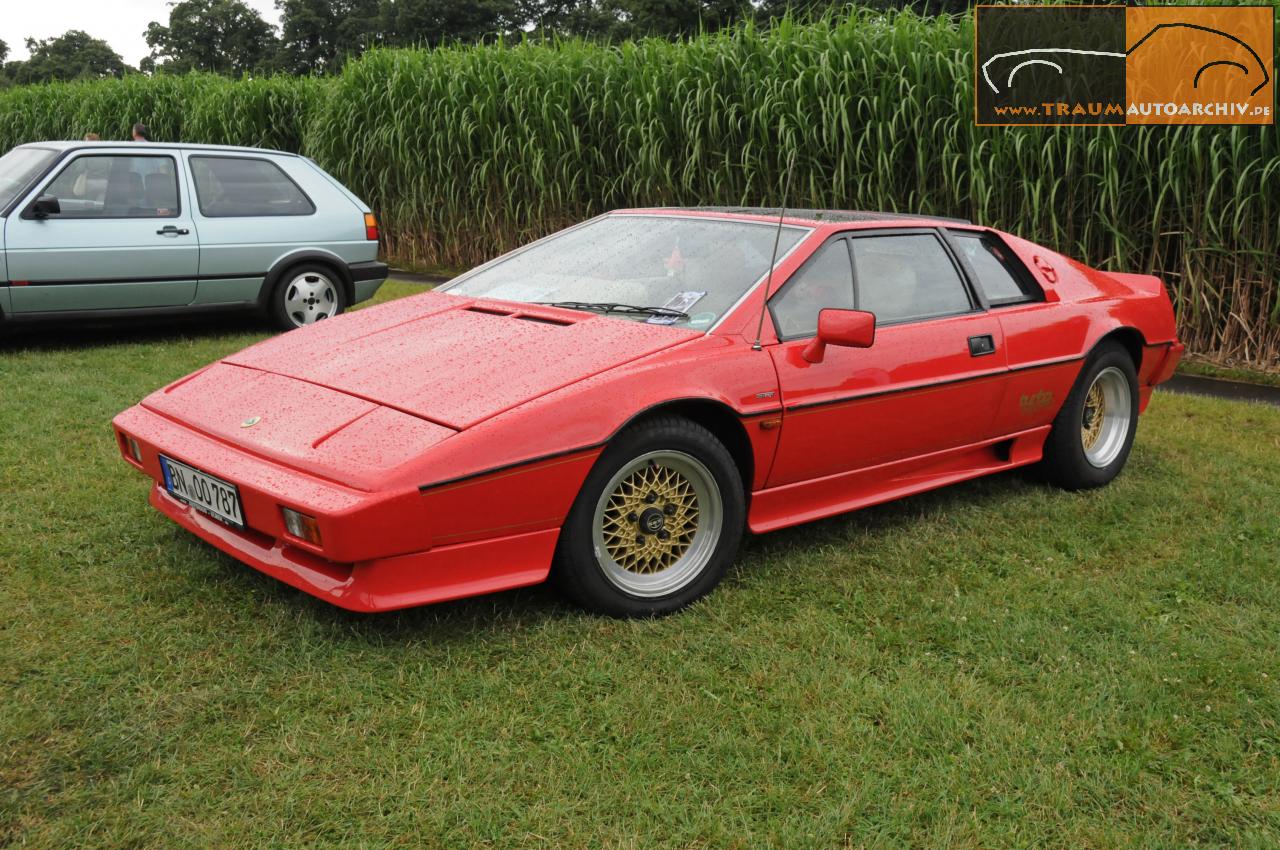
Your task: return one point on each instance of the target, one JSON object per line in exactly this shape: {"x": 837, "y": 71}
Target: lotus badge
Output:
{"x": 251, "y": 421}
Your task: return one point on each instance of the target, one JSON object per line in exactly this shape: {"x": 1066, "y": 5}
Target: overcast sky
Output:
{"x": 120, "y": 23}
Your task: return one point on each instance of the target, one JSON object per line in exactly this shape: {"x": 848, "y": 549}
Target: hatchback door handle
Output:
{"x": 172, "y": 231}
{"x": 980, "y": 345}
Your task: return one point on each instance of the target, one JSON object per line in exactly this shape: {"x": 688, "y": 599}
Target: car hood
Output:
{"x": 456, "y": 361}
{"x": 310, "y": 428}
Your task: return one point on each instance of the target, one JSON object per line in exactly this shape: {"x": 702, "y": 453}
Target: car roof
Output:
{"x": 164, "y": 146}
{"x": 801, "y": 216}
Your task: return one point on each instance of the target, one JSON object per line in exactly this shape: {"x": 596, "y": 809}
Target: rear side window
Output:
{"x": 246, "y": 187}
{"x": 825, "y": 281}
{"x": 107, "y": 186}
{"x": 907, "y": 278}
{"x": 999, "y": 274}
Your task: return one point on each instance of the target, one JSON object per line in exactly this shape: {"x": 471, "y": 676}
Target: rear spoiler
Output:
{"x": 1144, "y": 284}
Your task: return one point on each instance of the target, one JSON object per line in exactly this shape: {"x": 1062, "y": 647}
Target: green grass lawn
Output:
{"x": 997, "y": 664}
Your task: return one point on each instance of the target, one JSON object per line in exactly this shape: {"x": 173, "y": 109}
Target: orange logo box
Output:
{"x": 1115, "y": 65}
{"x": 1200, "y": 65}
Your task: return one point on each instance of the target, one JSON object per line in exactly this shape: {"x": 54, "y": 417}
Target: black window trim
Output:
{"x": 977, "y": 301}
{"x": 977, "y": 304}
{"x": 195, "y": 188}
{"x": 73, "y": 156}
{"x": 1033, "y": 293}
{"x": 841, "y": 236}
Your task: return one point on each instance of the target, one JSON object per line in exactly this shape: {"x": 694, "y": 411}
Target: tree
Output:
{"x": 619, "y": 19}
{"x": 805, "y": 9}
{"x": 223, "y": 36}
{"x": 71, "y": 56}
{"x": 404, "y": 22}
{"x": 317, "y": 35}
{"x": 4, "y": 51}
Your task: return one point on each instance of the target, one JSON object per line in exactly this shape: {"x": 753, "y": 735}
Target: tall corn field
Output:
{"x": 465, "y": 152}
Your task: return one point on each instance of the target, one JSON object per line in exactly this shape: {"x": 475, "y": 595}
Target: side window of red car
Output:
{"x": 908, "y": 277}
{"x": 1003, "y": 279}
{"x": 826, "y": 280}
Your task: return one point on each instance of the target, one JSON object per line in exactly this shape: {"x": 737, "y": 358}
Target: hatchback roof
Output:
{"x": 76, "y": 145}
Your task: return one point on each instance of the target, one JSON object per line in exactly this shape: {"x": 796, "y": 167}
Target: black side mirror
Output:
{"x": 45, "y": 206}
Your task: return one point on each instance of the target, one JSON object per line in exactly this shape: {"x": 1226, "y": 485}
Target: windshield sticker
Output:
{"x": 701, "y": 320}
{"x": 681, "y": 301}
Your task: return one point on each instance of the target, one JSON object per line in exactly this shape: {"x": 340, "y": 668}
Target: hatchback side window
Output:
{"x": 826, "y": 280}
{"x": 1001, "y": 276}
{"x": 109, "y": 186}
{"x": 907, "y": 278}
{"x": 228, "y": 187}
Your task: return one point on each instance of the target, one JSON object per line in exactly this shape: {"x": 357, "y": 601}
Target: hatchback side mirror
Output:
{"x": 45, "y": 206}
{"x": 849, "y": 328}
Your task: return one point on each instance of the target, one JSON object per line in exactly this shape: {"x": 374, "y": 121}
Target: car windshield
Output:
{"x": 18, "y": 167}
{"x": 660, "y": 269}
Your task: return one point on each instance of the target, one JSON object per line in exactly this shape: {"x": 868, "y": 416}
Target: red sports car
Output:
{"x": 618, "y": 402}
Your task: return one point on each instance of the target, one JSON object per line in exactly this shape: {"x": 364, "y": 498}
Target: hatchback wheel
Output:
{"x": 306, "y": 295}
{"x": 656, "y": 523}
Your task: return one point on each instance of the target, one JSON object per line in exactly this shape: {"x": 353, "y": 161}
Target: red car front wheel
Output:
{"x": 656, "y": 524}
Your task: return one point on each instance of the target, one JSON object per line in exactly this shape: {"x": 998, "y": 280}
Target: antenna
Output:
{"x": 773, "y": 261}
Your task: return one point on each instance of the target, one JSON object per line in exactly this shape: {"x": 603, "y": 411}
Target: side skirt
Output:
{"x": 132, "y": 312}
{"x": 805, "y": 501}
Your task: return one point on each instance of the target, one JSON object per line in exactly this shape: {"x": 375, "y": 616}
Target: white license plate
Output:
{"x": 202, "y": 491}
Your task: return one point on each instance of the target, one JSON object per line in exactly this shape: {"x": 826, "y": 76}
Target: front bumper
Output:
{"x": 384, "y": 584}
{"x": 380, "y": 550}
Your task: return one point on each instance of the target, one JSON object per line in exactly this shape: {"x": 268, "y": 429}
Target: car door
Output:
{"x": 1042, "y": 340}
{"x": 253, "y": 212}
{"x": 932, "y": 380}
{"x": 122, "y": 237}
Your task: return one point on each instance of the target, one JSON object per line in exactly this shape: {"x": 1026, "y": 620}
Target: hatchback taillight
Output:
{"x": 371, "y": 227}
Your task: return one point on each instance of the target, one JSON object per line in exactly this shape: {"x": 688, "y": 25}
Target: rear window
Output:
{"x": 245, "y": 187}
{"x": 999, "y": 274}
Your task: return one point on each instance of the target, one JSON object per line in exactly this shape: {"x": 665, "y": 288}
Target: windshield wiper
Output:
{"x": 609, "y": 307}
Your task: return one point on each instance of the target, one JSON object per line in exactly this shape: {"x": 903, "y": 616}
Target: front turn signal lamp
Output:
{"x": 301, "y": 526}
{"x": 132, "y": 447}
{"x": 371, "y": 227}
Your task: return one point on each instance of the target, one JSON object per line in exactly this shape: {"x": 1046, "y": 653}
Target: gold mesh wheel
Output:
{"x": 657, "y": 523}
{"x": 1104, "y": 423}
{"x": 1095, "y": 410}
{"x": 650, "y": 519}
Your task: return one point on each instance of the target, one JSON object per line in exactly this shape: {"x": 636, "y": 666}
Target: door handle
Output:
{"x": 172, "y": 231}
{"x": 980, "y": 345}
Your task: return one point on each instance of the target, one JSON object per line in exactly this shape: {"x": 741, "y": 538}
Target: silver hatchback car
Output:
{"x": 94, "y": 229}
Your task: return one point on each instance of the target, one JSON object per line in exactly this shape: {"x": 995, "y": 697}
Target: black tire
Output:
{"x": 329, "y": 296}
{"x": 696, "y": 560}
{"x": 1066, "y": 462}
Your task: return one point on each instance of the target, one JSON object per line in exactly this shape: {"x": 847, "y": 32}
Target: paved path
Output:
{"x": 1234, "y": 390}
{"x": 414, "y": 277}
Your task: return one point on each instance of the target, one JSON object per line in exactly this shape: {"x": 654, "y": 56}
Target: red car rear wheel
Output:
{"x": 1093, "y": 432}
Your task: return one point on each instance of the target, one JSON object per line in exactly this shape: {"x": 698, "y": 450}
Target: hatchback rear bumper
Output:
{"x": 366, "y": 278}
